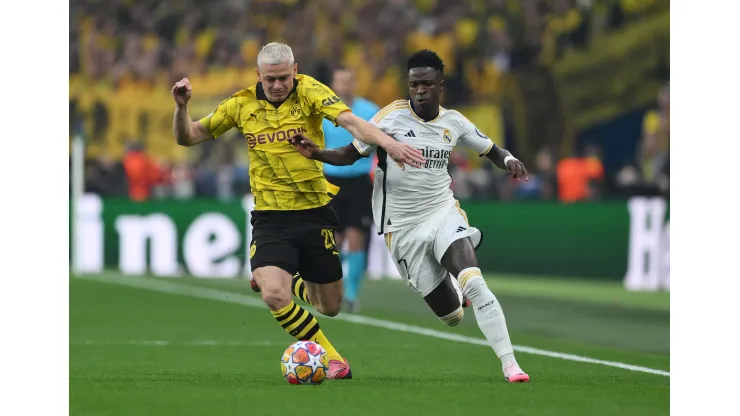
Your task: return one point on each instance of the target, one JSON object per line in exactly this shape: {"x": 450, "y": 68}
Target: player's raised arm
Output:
{"x": 326, "y": 103}
{"x": 189, "y": 132}
{"x": 473, "y": 138}
{"x": 342, "y": 156}
{"x": 369, "y": 134}
{"x": 503, "y": 159}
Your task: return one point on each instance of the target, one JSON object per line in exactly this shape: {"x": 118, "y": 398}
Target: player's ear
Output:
{"x": 441, "y": 85}
{"x": 259, "y": 77}
{"x": 295, "y": 69}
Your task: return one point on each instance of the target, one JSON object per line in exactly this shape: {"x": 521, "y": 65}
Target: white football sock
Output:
{"x": 454, "y": 317}
{"x": 456, "y": 285}
{"x": 488, "y": 313}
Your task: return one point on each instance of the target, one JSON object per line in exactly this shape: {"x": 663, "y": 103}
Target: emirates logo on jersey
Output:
{"x": 436, "y": 158}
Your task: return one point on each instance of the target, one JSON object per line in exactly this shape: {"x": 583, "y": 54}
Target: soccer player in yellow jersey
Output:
{"x": 293, "y": 247}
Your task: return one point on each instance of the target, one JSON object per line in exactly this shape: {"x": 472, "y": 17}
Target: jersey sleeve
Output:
{"x": 381, "y": 121}
{"x": 472, "y": 138}
{"x": 364, "y": 148}
{"x": 222, "y": 119}
{"x": 324, "y": 101}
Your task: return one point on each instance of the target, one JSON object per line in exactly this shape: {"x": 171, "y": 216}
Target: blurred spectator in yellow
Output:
{"x": 656, "y": 137}
{"x": 125, "y": 54}
{"x": 564, "y": 27}
{"x": 651, "y": 171}
{"x": 484, "y": 74}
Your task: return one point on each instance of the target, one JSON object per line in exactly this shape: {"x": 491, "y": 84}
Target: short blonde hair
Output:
{"x": 275, "y": 53}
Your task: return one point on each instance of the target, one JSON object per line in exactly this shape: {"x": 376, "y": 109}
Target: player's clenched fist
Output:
{"x": 182, "y": 91}
{"x": 517, "y": 170}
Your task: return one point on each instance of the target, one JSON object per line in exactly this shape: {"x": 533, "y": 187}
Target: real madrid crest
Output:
{"x": 447, "y": 136}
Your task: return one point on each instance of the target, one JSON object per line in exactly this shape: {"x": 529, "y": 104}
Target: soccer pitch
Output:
{"x": 186, "y": 346}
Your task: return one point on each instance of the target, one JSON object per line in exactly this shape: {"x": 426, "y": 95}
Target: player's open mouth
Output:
{"x": 421, "y": 100}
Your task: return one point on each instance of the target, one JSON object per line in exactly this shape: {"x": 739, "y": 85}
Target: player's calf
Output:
{"x": 328, "y": 309}
{"x": 445, "y": 300}
{"x": 326, "y": 298}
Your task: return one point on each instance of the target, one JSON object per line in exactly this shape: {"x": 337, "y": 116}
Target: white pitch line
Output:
{"x": 251, "y": 301}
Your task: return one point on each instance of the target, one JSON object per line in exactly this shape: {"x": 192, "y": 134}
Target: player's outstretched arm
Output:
{"x": 367, "y": 133}
{"x": 503, "y": 159}
{"x": 187, "y": 132}
{"x": 342, "y": 156}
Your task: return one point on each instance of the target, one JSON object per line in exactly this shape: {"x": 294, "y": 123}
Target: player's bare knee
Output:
{"x": 276, "y": 298}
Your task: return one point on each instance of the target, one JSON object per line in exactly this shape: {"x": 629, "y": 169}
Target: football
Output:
{"x": 304, "y": 362}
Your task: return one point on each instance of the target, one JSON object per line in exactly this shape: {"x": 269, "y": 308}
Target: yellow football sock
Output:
{"x": 299, "y": 323}
{"x": 299, "y": 288}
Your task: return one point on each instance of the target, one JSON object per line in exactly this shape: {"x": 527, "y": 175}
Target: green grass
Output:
{"x": 587, "y": 291}
{"x": 112, "y": 372}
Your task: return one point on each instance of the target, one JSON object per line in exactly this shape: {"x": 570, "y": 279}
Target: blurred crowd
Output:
{"x": 139, "y": 48}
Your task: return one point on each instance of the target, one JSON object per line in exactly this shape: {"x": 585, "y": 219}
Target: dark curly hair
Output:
{"x": 426, "y": 58}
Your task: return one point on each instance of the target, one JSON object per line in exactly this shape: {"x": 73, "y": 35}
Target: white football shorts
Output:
{"x": 417, "y": 250}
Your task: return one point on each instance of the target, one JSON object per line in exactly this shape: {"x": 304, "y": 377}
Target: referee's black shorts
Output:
{"x": 297, "y": 241}
{"x": 353, "y": 204}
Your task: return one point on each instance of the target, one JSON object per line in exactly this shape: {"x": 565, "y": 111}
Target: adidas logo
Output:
{"x": 461, "y": 229}
{"x": 389, "y": 222}
{"x": 410, "y": 134}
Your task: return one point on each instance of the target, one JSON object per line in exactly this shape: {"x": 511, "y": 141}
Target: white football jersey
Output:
{"x": 406, "y": 196}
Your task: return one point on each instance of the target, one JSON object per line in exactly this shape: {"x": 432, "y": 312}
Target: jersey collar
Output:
{"x": 260, "y": 91}
{"x": 411, "y": 108}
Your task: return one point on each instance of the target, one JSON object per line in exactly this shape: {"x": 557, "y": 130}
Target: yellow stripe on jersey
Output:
{"x": 280, "y": 178}
{"x": 378, "y": 118}
{"x": 396, "y": 105}
{"x": 389, "y": 107}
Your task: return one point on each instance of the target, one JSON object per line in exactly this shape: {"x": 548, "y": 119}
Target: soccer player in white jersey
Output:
{"x": 425, "y": 229}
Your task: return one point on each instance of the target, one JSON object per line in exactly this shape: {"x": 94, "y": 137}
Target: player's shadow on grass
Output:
{"x": 239, "y": 378}
{"x": 430, "y": 379}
